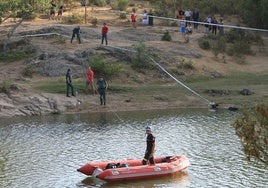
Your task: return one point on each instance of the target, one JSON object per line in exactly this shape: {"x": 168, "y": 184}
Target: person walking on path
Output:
{"x": 102, "y": 87}
{"x": 150, "y": 147}
{"x": 90, "y": 80}
{"x": 76, "y": 31}
{"x": 69, "y": 84}
{"x": 134, "y": 18}
{"x": 104, "y": 32}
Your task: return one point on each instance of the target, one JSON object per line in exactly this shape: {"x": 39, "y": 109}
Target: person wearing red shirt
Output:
{"x": 134, "y": 18}
{"x": 90, "y": 80}
{"x": 104, "y": 32}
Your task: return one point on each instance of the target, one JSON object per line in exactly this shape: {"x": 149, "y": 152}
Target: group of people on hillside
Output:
{"x": 147, "y": 18}
{"x": 213, "y": 25}
{"x": 187, "y": 17}
{"x": 101, "y": 85}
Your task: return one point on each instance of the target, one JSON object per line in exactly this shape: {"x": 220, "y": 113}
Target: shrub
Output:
{"x": 17, "y": 54}
{"x": 166, "y": 36}
{"x": 73, "y": 19}
{"x": 122, "y": 4}
{"x": 59, "y": 39}
{"x": 140, "y": 60}
{"x": 119, "y": 4}
{"x": 186, "y": 65}
{"x": 28, "y": 71}
{"x": 101, "y": 66}
{"x": 219, "y": 46}
{"x": 5, "y": 87}
{"x": 94, "y": 22}
{"x": 99, "y": 2}
{"x": 204, "y": 44}
{"x": 122, "y": 15}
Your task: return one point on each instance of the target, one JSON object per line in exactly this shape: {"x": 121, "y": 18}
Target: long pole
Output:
{"x": 85, "y": 11}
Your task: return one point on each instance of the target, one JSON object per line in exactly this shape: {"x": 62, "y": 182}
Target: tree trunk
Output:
{"x": 10, "y": 34}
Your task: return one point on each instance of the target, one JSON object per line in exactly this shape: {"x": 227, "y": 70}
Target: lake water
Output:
{"x": 46, "y": 151}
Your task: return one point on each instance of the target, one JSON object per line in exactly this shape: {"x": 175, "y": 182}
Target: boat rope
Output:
{"x": 170, "y": 75}
{"x": 178, "y": 81}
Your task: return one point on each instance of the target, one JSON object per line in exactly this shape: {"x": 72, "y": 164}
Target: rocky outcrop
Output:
{"x": 26, "y": 104}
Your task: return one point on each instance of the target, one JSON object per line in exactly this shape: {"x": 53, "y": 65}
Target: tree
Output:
{"x": 17, "y": 9}
{"x": 165, "y": 8}
{"x": 252, "y": 129}
{"x": 254, "y": 13}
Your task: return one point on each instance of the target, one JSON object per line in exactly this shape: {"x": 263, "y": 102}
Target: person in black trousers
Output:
{"x": 102, "y": 86}
{"x": 69, "y": 84}
{"x": 76, "y": 31}
{"x": 150, "y": 149}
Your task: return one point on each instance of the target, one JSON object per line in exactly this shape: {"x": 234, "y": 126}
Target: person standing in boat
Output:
{"x": 150, "y": 141}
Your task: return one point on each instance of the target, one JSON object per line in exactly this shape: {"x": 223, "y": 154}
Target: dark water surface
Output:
{"x": 46, "y": 151}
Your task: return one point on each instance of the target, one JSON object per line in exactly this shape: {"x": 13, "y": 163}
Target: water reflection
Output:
{"x": 180, "y": 179}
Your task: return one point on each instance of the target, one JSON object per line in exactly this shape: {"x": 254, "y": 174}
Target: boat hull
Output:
{"x": 134, "y": 170}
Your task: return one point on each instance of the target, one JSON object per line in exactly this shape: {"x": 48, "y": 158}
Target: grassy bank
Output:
{"x": 225, "y": 90}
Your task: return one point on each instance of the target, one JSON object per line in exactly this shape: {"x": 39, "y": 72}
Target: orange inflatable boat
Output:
{"x": 132, "y": 169}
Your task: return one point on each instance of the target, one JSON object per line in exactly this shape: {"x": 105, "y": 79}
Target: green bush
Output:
{"x": 122, "y": 15}
{"x": 99, "y": 2}
{"x": 204, "y": 44}
{"x": 186, "y": 65}
{"x": 140, "y": 60}
{"x": 28, "y": 71}
{"x": 101, "y": 66}
{"x": 166, "y": 36}
{"x": 5, "y": 87}
{"x": 73, "y": 19}
{"x": 119, "y": 4}
{"x": 15, "y": 55}
{"x": 58, "y": 39}
{"x": 219, "y": 45}
{"x": 94, "y": 22}
{"x": 239, "y": 48}
{"x": 122, "y": 4}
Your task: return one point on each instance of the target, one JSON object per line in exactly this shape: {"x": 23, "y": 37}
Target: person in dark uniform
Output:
{"x": 102, "y": 86}
{"x": 76, "y": 31}
{"x": 151, "y": 18}
{"x": 150, "y": 141}
{"x": 69, "y": 84}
